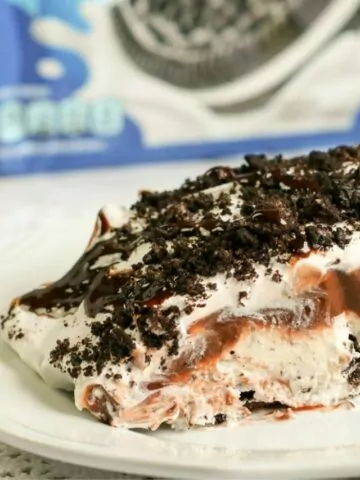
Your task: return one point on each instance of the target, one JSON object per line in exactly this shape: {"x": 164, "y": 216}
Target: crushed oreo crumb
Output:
{"x": 241, "y": 296}
{"x": 220, "y": 418}
{"x": 276, "y": 277}
{"x": 247, "y": 396}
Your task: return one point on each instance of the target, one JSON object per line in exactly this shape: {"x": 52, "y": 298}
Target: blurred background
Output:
{"x": 99, "y": 98}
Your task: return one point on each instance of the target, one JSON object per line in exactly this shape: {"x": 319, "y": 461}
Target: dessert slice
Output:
{"x": 239, "y": 289}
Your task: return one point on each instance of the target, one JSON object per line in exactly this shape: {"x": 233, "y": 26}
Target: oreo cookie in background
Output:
{"x": 205, "y": 45}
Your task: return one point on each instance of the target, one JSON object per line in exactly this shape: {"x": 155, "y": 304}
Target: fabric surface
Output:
{"x": 17, "y": 464}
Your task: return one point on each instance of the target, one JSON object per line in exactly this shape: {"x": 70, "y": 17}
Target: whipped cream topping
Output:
{"x": 239, "y": 288}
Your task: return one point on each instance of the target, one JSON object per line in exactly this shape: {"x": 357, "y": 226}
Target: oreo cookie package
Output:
{"x": 91, "y": 83}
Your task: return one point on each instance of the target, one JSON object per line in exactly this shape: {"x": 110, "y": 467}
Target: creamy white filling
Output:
{"x": 310, "y": 372}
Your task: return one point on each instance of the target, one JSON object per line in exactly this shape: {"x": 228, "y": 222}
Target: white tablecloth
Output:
{"x": 15, "y": 464}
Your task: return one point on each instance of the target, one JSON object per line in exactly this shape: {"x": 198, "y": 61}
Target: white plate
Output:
{"x": 38, "y": 419}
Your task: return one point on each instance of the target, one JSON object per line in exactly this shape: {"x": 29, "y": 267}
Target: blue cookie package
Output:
{"x": 91, "y": 83}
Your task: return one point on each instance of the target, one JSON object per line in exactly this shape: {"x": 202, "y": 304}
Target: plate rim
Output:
{"x": 63, "y": 451}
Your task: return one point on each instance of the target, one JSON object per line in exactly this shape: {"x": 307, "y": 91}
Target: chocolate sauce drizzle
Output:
{"x": 70, "y": 290}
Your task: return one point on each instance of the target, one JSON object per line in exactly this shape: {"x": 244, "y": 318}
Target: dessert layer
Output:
{"x": 240, "y": 288}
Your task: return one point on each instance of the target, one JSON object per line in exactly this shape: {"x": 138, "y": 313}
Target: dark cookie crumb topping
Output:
{"x": 272, "y": 209}
{"x": 220, "y": 418}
